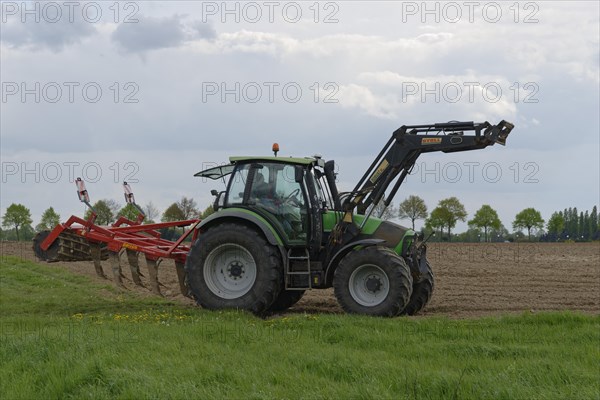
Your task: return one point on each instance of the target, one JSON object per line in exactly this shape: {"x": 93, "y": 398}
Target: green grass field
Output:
{"x": 63, "y": 336}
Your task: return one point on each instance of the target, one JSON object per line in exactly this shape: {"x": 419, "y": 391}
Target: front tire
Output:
{"x": 373, "y": 281}
{"x": 421, "y": 294}
{"x": 233, "y": 266}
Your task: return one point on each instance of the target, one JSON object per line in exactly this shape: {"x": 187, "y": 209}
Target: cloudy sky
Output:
{"x": 152, "y": 92}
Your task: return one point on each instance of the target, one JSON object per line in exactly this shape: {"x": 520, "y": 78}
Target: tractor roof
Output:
{"x": 290, "y": 160}
{"x": 224, "y": 170}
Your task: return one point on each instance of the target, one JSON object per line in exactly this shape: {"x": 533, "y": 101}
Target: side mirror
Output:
{"x": 219, "y": 199}
{"x": 298, "y": 173}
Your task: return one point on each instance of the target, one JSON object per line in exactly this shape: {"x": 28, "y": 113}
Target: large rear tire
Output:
{"x": 233, "y": 266}
{"x": 373, "y": 281}
{"x": 421, "y": 294}
{"x": 286, "y": 299}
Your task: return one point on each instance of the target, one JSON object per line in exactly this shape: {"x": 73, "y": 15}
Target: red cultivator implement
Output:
{"x": 81, "y": 239}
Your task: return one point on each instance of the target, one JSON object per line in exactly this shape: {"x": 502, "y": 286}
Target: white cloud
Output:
{"x": 356, "y": 96}
{"x": 369, "y": 54}
{"x": 383, "y": 94}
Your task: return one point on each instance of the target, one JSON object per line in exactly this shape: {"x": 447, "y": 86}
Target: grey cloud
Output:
{"x": 40, "y": 35}
{"x": 150, "y": 34}
{"x": 203, "y": 30}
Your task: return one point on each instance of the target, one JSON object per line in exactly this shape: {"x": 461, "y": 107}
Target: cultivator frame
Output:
{"x": 81, "y": 239}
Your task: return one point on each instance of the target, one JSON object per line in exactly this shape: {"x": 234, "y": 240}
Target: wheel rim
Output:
{"x": 369, "y": 285}
{"x": 230, "y": 271}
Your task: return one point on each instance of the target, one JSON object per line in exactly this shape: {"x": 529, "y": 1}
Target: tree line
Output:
{"x": 484, "y": 226}
{"x": 17, "y": 221}
{"x": 571, "y": 225}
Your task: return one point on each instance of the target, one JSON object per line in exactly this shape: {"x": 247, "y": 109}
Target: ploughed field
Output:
{"x": 472, "y": 279}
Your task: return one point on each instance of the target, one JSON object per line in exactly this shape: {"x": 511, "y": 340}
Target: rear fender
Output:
{"x": 250, "y": 219}
{"x": 244, "y": 216}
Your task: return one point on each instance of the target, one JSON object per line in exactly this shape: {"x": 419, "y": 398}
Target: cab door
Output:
{"x": 273, "y": 191}
{"x": 291, "y": 201}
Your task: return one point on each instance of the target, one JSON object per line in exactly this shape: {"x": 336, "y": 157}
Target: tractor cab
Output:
{"x": 286, "y": 192}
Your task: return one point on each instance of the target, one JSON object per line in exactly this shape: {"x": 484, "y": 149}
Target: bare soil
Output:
{"x": 470, "y": 279}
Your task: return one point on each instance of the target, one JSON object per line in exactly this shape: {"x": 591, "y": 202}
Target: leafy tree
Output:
{"x": 500, "y": 234}
{"x": 582, "y": 227}
{"x": 188, "y": 208}
{"x": 593, "y": 224}
{"x": 453, "y": 211}
{"x": 388, "y": 213}
{"x": 568, "y": 222}
{"x": 470, "y": 235}
{"x": 412, "y": 208}
{"x": 556, "y": 224}
{"x": 173, "y": 213}
{"x": 436, "y": 220}
{"x": 50, "y": 219}
{"x": 486, "y": 217}
{"x": 26, "y": 233}
{"x": 151, "y": 213}
{"x": 129, "y": 212}
{"x": 574, "y": 228}
{"x": 16, "y": 216}
{"x": 104, "y": 211}
{"x": 207, "y": 211}
{"x": 528, "y": 218}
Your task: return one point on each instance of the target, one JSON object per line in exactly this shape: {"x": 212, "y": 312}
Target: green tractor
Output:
{"x": 281, "y": 228}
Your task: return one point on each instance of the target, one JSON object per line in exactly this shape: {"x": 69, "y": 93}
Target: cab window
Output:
{"x": 238, "y": 185}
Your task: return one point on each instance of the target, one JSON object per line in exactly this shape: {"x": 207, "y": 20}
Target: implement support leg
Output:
{"x": 153, "y": 275}
{"x": 116, "y": 268}
{"x": 134, "y": 266}
{"x": 181, "y": 277}
{"x": 96, "y": 257}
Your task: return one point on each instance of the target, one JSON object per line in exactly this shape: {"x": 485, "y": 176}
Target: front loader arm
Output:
{"x": 407, "y": 143}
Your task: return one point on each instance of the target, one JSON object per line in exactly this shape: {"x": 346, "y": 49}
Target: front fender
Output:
{"x": 332, "y": 264}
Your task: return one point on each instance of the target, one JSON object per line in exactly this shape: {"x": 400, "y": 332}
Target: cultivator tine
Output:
{"x": 96, "y": 254}
{"x": 153, "y": 275}
{"x": 181, "y": 277}
{"x": 116, "y": 268}
{"x": 134, "y": 266}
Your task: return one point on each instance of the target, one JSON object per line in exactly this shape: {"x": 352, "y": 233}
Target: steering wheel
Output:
{"x": 292, "y": 197}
